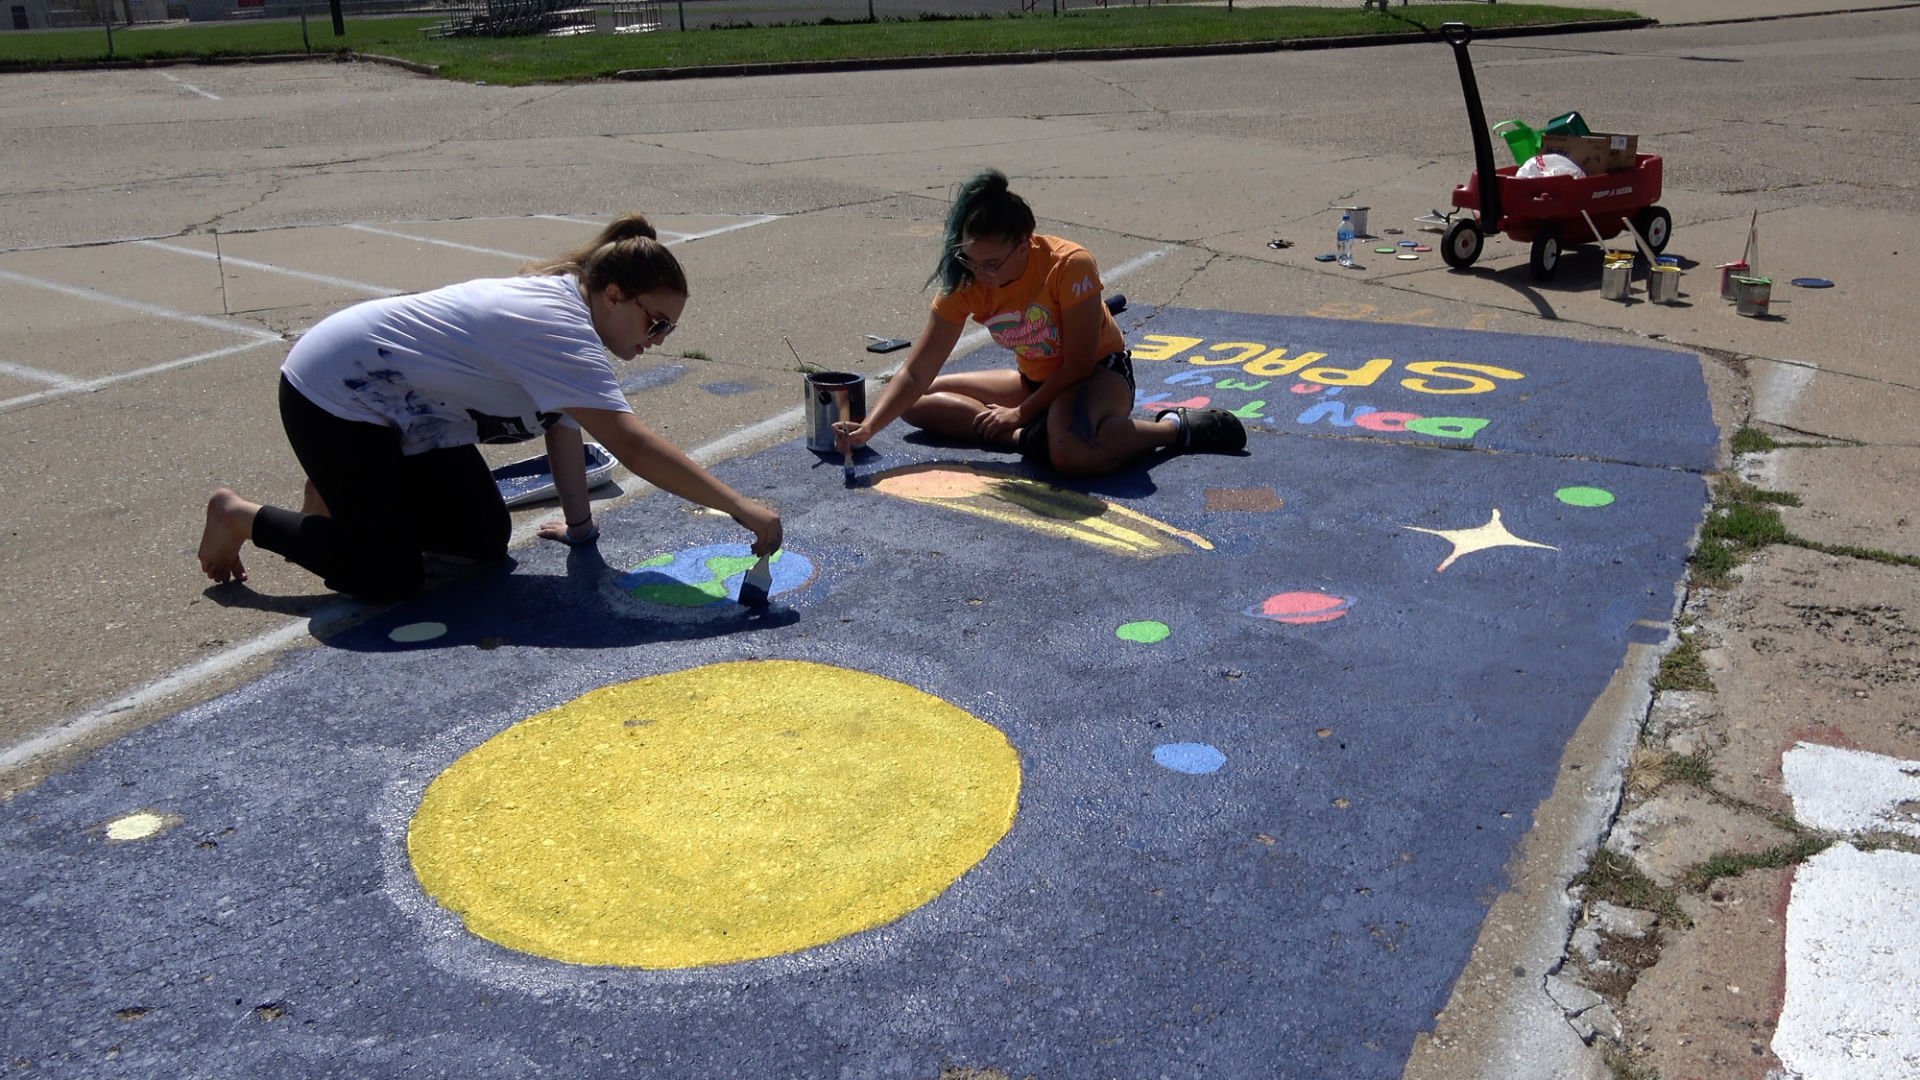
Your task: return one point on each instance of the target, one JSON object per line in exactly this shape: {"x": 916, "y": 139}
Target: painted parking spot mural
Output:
{"x": 1206, "y": 769}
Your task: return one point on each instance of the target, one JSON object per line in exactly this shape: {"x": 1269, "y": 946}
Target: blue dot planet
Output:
{"x": 1193, "y": 758}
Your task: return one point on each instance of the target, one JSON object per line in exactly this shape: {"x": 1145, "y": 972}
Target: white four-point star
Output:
{"x": 1466, "y": 541}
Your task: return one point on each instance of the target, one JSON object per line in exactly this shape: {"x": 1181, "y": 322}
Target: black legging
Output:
{"x": 387, "y": 508}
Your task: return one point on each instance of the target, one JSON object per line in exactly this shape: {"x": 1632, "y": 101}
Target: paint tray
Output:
{"x": 530, "y": 480}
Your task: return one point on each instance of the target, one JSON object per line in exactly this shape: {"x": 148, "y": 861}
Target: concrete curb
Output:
{"x": 799, "y": 67}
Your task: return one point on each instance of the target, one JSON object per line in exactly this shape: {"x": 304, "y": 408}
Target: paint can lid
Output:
{"x": 1409, "y": 243}
{"x": 1325, "y": 257}
{"x": 1423, "y": 247}
{"x": 1408, "y": 255}
{"x": 1813, "y": 283}
{"x": 1383, "y": 250}
{"x": 1669, "y": 260}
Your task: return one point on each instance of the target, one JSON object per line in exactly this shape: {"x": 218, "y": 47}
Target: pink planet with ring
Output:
{"x": 1300, "y": 608}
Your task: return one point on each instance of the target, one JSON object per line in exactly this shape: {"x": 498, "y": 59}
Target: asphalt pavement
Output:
{"x": 1275, "y": 765}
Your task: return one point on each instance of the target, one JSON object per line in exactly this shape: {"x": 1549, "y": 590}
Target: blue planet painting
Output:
{"x": 703, "y": 576}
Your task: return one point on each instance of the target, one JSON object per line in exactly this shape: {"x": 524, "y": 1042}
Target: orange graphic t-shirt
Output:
{"x": 1024, "y": 316}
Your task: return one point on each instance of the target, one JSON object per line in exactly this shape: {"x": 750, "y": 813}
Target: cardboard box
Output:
{"x": 1596, "y": 153}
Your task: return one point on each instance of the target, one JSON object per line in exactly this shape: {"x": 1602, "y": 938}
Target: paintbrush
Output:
{"x": 754, "y": 587}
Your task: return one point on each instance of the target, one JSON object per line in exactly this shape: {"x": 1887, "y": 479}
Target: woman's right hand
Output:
{"x": 763, "y": 522}
{"x": 848, "y": 435}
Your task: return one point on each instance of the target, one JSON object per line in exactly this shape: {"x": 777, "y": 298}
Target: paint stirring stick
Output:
{"x": 755, "y": 586}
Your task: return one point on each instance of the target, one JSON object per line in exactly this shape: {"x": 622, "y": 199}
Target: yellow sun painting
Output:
{"x": 725, "y": 813}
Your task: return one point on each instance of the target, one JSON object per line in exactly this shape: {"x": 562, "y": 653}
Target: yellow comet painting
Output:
{"x": 1044, "y": 508}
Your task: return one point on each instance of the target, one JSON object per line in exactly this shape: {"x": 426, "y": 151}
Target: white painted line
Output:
{"x": 190, "y": 86}
{"x": 397, "y": 234}
{"x": 89, "y": 723}
{"x": 81, "y": 387}
{"x": 20, "y": 371}
{"x": 141, "y": 306}
{"x": 678, "y": 237}
{"x": 1851, "y": 791}
{"x": 735, "y": 227}
{"x": 1848, "y": 1011}
{"x": 1777, "y": 389}
{"x": 323, "y": 279}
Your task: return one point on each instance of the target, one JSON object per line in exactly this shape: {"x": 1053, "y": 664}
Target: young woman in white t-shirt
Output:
{"x": 385, "y": 401}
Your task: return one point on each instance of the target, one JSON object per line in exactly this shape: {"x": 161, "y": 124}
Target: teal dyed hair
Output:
{"x": 982, "y": 206}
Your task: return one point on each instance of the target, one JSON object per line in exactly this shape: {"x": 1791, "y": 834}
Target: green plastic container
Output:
{"x": 1568, "y": 124}
{"x": 1521, "y": 139}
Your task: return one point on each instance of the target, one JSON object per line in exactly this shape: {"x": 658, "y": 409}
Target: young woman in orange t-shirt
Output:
{"x": 1069, "y": 402}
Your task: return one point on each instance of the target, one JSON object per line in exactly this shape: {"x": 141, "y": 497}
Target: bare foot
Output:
{"x": 312, "y": 503}
{"x": 229, "y": 525}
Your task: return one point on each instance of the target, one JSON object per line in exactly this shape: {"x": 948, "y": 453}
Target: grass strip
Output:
{"x": 527, "y": 60}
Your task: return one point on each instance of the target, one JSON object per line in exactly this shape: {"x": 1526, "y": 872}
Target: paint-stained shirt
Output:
{"x": 1024, "y": 316}
{"x": 490, "y": 361}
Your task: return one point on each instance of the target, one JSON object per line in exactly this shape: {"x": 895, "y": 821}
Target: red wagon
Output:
{"x": 1546, "y": 210}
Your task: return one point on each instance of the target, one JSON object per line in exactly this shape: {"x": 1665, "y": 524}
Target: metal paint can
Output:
{"x": 1729, "y": 271}
{"x": 1663, "y": 284}
{"x": 1754, "y": 293}
{"x": 1616, "y": 278}
{"x": 1358, "y": 216}
{"x": 832, "y": 396}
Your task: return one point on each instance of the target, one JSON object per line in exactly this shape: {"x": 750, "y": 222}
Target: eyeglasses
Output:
{"x": 990, "y": 266}
{"x": 656, "y": 326}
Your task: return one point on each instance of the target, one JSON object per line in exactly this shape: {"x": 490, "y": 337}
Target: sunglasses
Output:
{"x": 656, "y": 326}
{"x": 990, "y": 266}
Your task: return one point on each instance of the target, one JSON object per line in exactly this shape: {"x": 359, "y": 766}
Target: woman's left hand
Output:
{"x": 585, "y": 533}
{"x": 997, "y": 420}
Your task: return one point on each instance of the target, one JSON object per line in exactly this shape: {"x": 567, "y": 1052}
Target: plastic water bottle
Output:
{"x": 1343, "y": 240}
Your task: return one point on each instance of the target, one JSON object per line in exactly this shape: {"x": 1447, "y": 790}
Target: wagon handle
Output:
{"x": 1457, "y": 35}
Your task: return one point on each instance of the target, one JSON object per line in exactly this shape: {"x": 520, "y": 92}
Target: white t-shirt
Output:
{"x": 493, "y": 360}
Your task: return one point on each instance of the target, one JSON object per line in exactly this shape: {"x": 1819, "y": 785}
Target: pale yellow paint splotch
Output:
{"x": 729, "y": 812}
{"x": 1030, "y": 504}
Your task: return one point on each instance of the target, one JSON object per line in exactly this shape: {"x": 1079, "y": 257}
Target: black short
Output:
{"x": 1121, "y": 362}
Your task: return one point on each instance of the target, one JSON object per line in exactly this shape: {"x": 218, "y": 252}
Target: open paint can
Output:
{"x": 1616, "y": 278}
{"x": 832, "y": 396}
{"x": 1663, "y": 284}
{"x": 1729, "y": 271}
{"x": 1753, "y": 295}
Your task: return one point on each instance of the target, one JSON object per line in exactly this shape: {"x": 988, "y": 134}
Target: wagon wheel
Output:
{"x": 1461, "y": 246}
{"x": 1546, "y": 252}
{"x": 1656, "y": 227}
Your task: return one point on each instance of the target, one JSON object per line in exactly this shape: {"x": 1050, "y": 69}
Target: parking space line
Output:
{"x": 78, "y": 386}
{"x": 323, "y": 279}
{"x": 190, "y": 86}
{"x": 397, "y": 234}
{"x": 678, "y": 237}
{"x": 140, "y": 306}
{"x": 20, "y": 371}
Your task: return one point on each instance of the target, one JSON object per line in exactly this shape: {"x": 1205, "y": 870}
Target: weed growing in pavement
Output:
{"x": 1624, "y": 1067}
{"x": 694, "y": 354}
{"x": 1692, "y": 769}
{"x": 1751, "y": 440}
{"x": 1683, "y": 668}
{"x": 1612, "y": 877}
{"x": 1741, "y": 521}
{"x": 1732, "y": 864}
